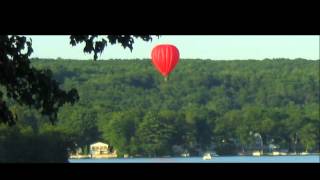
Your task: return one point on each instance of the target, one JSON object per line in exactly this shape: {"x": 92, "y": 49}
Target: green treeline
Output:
{"x": 222, "y": 106}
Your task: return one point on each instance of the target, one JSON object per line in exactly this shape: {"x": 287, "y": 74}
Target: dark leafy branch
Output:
{"x": 97, "y": 46}
{"x": 27, "y": 85}
{"x": 37, "y": 88}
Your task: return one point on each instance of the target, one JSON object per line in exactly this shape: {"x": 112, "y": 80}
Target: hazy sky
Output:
{"x": 203, "y": 47}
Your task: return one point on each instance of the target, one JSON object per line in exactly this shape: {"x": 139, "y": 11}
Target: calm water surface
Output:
{"x": 218, "y": 159}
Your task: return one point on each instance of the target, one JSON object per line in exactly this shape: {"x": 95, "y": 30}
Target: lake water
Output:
{"x": 218, "y": 159}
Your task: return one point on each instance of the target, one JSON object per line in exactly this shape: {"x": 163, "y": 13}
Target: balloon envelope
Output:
{"x": 165, "y": 58}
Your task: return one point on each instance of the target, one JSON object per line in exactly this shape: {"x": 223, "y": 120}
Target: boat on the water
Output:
{"x": 207, "y": 156}
{"x": 283, "y": 153}
{"x": 185, "y": 155}
{"x": 256, "y": 153}
{"x": 275, "y": 153}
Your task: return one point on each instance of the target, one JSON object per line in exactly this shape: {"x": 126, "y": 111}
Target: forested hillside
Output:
{"x": 206, "y": 105}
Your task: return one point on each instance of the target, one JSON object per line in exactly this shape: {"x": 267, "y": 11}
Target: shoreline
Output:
{"x": 168, "y": 157}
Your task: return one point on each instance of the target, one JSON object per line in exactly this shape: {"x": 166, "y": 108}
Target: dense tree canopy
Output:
{"x": 223, "y": 106}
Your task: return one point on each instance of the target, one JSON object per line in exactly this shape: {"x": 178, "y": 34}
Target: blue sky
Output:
{"x": 191, "y": 46}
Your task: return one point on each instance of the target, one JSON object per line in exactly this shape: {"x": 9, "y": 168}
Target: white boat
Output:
{"x": 185, "y": 155}
{"x": 207, "y": 156}
{"x": 283, "y": 153}
{"x": 304, "y": 153}
{"x": 275, "y": 153}
{"x": 256, "y": 153}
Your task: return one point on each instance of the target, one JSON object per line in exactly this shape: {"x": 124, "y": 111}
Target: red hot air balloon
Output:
{"x": 165, "y": 58}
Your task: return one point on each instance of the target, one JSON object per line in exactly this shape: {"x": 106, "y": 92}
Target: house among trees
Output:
{"x": 101, "y": 150}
